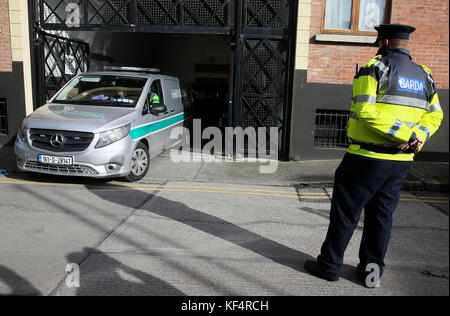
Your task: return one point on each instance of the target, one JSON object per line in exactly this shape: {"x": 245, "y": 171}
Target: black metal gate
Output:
{"x": 166, "y": 16}
{"x": 265, "y": 41}
{"x": 59, "y": 60}
{"x": 262, "y": 58}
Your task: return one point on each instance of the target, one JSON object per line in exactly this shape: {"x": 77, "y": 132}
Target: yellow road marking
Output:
{"x": 154, "y": 186}
{"x": 222, "y": 190}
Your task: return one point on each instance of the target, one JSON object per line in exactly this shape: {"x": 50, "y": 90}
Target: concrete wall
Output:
{"x": 15, "y": 83}
{"x": 12, "y": 89}
{"x": 20, "y": 42}
{"x": 303, "y": 26}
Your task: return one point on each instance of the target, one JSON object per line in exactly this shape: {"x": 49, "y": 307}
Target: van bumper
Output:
{"x": 110, "y": 161}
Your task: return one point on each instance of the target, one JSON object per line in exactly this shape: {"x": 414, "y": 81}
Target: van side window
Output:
{"x": 173, "y": 93}
{"x": 157, "y": 88}
{"x": 154, "y": 88}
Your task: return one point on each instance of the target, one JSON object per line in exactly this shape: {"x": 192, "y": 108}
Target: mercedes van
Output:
{"x": 104, "y": 124}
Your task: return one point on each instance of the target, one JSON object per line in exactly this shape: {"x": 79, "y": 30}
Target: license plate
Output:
{"x": 55, "y": 160}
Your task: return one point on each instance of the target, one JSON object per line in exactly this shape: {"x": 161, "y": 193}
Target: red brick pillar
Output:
{"x": 5, "y": 38}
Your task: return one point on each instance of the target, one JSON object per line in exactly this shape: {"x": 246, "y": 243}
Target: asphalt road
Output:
{"x": 199, "y": 238}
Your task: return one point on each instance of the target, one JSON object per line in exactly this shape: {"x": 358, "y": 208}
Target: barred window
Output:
{"x": 330, "y": 128}
{"x": 3, "y": 118}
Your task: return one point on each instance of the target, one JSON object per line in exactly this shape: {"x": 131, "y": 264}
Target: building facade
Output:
{"x": 15, "y": 68}
{"x": 280, "y": 63}
{"x": 323, "y": 78}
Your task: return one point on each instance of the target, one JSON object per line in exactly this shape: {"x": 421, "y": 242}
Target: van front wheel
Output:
{"x": 140, "y": 162}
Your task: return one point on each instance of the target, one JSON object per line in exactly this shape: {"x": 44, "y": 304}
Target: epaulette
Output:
{"x": 373, "y": 61}
{"x": 426, "y": 69}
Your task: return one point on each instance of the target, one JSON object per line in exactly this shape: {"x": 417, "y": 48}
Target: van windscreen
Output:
{"x": 102, "y": 90}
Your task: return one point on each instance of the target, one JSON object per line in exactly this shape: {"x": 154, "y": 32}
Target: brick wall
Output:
{"x": 331, "y": 62}
{"x": 5, "y": 38}
{"x": 429, "y": 43}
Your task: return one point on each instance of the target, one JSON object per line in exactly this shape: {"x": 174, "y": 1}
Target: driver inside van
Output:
{"x": 154, "y": 98}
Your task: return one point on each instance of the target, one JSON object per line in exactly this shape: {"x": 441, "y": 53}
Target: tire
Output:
{"x": 140, "y": 162}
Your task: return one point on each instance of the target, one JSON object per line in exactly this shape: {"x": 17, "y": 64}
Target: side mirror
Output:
{"x": 158, "y": 108}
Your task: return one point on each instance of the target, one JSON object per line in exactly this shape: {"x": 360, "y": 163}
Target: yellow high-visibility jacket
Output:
{"x": 394, "y": 100}
{"x": 154, "y": 99}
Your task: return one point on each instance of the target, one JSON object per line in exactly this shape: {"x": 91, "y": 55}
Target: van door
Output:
{"x": 158, "y": 134}
{"x": 174, "y": 105}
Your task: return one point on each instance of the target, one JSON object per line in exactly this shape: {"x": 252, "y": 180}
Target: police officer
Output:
{"x": 154, "y": 99}
{"x": 395, "y": 109}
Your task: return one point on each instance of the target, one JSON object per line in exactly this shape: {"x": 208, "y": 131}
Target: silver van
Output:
{"x": 104, "y": 124}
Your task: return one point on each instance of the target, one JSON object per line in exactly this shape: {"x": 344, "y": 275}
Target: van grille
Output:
{"x": 67, "y": 170}
{"x": 75, "y": 141}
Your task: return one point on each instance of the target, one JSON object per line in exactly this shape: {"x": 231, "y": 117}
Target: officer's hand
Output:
{"x": 403, "y": 146}
{"x": 415, "y": 145}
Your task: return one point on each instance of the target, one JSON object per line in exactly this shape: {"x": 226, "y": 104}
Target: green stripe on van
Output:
{"x": 155, "y": 126}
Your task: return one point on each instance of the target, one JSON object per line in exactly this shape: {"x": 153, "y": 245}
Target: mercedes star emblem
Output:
{"x": 57, "y": 140}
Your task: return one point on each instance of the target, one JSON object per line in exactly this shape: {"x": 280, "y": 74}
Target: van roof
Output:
{"x": 128, "y": 74}
{"x": 132, "y": 69}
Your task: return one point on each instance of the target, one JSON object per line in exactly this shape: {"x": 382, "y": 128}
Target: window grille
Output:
{"x": 330, "y": 128}
{"x": 3, "y": 118}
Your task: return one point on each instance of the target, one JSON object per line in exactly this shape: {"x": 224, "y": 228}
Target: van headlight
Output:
{"x": 23, "y": 132}
{"x": 112, "y": 136}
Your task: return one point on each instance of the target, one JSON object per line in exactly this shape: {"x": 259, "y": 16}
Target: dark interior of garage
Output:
{"x": 203, "y": 61}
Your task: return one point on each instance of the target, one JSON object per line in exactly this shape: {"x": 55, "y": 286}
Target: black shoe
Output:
{"x": 360, "y": 271}
{"x": 313, "y": 268}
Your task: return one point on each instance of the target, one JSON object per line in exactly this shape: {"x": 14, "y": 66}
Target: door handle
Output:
{"x": 172, "y": 111}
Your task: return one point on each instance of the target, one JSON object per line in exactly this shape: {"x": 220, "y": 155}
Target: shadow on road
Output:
{"x": 143, "y": 283}
{"x": 220, "y": 228}
{"x": 102, "y": 275}
{"x": 17, "y": 284}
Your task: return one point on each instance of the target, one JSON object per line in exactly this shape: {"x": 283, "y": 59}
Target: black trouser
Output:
{"x": 374, "y": 185}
